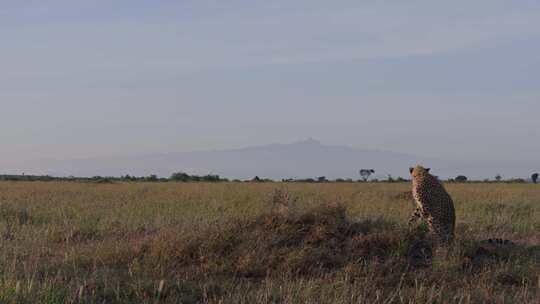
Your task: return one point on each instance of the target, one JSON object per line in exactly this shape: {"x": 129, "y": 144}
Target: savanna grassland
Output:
{"x": 68, "y": 242}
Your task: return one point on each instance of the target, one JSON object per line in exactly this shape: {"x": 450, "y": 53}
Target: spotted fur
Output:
{"x": 433, "y": 204}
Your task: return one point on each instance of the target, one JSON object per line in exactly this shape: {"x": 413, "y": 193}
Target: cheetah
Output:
{"x": 434, "y": 205}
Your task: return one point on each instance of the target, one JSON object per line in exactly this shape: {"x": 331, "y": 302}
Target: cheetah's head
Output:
{"x": 418, "y": 171}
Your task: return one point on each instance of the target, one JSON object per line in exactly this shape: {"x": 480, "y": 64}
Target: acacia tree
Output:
{"x": 366, "y": 173}
{"x": 534, "y": 177}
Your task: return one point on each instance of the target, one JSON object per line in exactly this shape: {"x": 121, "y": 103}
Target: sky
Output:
{"x": 455, "y": 79}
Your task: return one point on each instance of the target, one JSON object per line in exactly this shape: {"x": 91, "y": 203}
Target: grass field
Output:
{"x": 63, "y": 242}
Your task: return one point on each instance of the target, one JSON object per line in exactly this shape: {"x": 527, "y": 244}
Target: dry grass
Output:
{"x": 259, "y": 243}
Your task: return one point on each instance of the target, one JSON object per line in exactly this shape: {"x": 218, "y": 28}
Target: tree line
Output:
{"x": 365, "y": 175}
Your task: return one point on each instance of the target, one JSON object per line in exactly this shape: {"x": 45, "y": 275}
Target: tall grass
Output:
{"x": 64, "y": 242}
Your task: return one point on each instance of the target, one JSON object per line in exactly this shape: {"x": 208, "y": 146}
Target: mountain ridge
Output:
{"x": 307, "y": 158}
{"x": 300, "y": 159}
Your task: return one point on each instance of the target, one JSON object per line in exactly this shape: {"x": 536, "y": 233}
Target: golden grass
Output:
{"x": 63, "y": 242}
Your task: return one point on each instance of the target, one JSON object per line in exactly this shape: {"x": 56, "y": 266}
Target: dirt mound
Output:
{"x": 297, "y": 243}
{"x": 479, "y": 254}
{"x": 420, "y": 253}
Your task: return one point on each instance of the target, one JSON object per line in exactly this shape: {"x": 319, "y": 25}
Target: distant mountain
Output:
{"x": 307, "y": 158}
{"x": 303, "y": 159}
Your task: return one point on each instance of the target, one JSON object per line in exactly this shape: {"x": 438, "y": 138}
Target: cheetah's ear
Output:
{"x": 411, "y": 169}
{"x": 427, "y": 169}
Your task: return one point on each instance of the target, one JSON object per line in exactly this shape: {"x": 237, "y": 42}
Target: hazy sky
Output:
{"x": 447, "y": 79}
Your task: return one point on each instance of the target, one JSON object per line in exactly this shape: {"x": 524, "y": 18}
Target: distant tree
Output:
{"x": 130, "y": 178}
{"x": 256, "y": 179}
{"x": 498, "y": 177}
{"x": 366, "y": 173}
{"x": 534, "y": 177}
{"x": 180, "y": 176}
{"x": 461, "y": 178}
{"x": 211, "y": 178}
{"x": 322, "y": 179}
{"x": 391, "y": 179}
{"x": 152, "y": 178}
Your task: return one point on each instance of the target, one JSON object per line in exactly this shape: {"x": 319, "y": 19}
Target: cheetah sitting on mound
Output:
{"x": 434, "y": 205}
